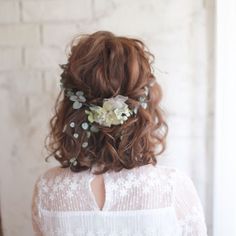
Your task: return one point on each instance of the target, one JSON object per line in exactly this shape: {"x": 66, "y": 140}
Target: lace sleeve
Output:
{"x": 35, "y": 213}
{"x": 188, "y": 207}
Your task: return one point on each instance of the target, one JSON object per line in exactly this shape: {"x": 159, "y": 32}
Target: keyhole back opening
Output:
{"x": 98, "y": 191}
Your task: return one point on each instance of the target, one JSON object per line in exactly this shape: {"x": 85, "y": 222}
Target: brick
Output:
{"x": 9, "y": 12}
{"x": 10, "y": 58}
{"x": 18, "y": 35}
{"x": 58, "y": 34}
{"x": 152, "y": 16}
{"x": 44, "y": 57}
{"x": 56, "y": 10}
{"x": 52, "y": 82}
{"x": 22, "y": 81}
{"x": 103, "y": 7}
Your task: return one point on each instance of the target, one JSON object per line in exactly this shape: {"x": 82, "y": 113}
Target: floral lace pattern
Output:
{"x": 192, "y": 223}
{"x": 63, "y": 188}
{"x": 149, "y": 200}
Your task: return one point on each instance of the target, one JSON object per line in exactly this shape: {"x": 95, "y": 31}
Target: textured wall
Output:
{"x": 33, "y": 38}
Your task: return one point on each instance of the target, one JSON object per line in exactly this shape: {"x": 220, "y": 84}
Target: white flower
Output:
{"x": 113, "y": 112}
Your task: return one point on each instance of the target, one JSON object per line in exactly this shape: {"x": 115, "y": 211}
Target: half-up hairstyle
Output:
{"x": 103, "y": 65}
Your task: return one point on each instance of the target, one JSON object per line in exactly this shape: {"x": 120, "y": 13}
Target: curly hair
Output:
{"x": 103, "y": 65}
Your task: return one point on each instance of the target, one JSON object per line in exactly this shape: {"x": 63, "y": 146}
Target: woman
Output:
{"x": 107, "y": 133}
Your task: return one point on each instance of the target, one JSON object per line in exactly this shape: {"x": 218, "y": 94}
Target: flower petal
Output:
{"x": 76, "y": 135}
{"x": 79, "y": 93}
{"x": 84, "y": 144}
{"x": 82, "y": 99}
{"x": 77, "y": 105}
{"x": 144, "y": 105}
{"x": 72, "y": 124}
{"x": 73, "y": 98}
{"x": 85, "y": 125}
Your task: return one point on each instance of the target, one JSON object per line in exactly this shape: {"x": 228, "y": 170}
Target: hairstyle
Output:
{"x": 103, "y": 65}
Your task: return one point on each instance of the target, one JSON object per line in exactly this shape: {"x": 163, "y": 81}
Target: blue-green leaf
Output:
{"x": 77, "y": 105}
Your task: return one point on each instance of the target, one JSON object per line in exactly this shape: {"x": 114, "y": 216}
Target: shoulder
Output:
{"x": 174, "y": 175}
{"x": 169, "y": 170}
{"x": 58, "y": 176}
{"x": 43, "y": 183}
{"x": 180, "y": 182}
{"x": 54, "y": 183}
{"x": 49, "y": 176}
{"x": 54, "y": 171}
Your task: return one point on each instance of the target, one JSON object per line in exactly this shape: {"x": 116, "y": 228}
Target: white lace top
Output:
{"x": 144, "y": 201}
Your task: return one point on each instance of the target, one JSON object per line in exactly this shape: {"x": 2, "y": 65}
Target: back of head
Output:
{"x": 102, "y": 66}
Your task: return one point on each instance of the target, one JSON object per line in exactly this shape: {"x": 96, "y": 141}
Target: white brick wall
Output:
{"x": 43, "y": 57}
{"x": 59, "y": 35}
{"x": 19, "y": 35}
{"x": 10, "y": 58}
{"x": 56, "y": 10}
{"x": 33, "y": 39}
{"x": 13, "y": 8}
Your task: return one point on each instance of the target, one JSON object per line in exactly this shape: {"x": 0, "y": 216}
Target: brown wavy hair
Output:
{"x": 103, "y": 65}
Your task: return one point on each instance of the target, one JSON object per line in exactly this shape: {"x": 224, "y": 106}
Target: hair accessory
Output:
{"x": 72, "y": 124}
{"x": 73, "y": 161}
{"x": 76, "y": 135}
{"x": 114, "y": 111}
{"x": 84, "y": 144}
{"x": 85, "y": 125}
{"x": 77, "y": 98}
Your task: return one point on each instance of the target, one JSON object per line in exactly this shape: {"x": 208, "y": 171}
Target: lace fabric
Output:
{"x": 147, "y": 200}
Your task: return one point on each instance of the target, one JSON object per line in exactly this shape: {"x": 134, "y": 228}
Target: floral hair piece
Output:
{"x": 114, "y": 111}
